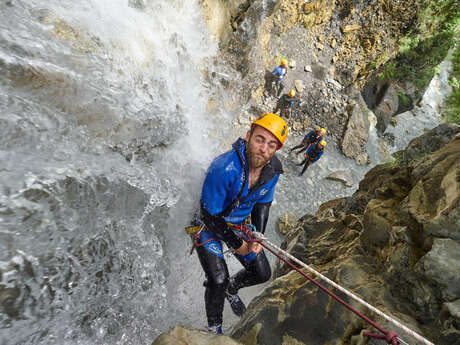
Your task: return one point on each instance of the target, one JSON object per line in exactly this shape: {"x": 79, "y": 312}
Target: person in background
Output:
{"x": 285, "y": 104}
{"x": 278, "y": 75}
{"x": 312, "y": 137}
{"x": 238, "y": 189}
{"x": 313, "y": 153}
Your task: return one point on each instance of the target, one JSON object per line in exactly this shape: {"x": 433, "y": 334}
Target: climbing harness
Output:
{"x": 195, "y": 232}
{"x": 389, "y": 336}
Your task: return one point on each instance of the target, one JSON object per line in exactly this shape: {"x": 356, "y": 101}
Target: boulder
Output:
{"x": 343, "y": 176}
{"x": 299, "y": 85}
{"x": 386, "y": 107}
{"x": 356, "y": 134}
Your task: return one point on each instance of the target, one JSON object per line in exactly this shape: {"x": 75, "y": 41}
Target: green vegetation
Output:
{"x": 453, "y": 101}
{"x": 394, "y": 160}
{"x": 365, "y": 110}
{"x": 404, "y": 99}
{"x": 426, "y": 46}
{"x": 400, "y": 158}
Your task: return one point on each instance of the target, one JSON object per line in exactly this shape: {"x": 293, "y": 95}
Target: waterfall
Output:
{"x": 102, "y": 133}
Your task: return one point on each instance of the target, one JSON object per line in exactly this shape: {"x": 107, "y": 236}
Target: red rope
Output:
{"x": 389, "y": 336}
{"x": 196, "y": 243}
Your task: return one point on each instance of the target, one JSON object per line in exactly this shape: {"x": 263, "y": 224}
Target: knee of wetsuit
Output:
{"x": 265, "y": 275}
{"x": 221, "y": 281}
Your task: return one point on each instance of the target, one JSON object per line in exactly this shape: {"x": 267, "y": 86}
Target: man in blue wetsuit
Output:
{"x": 313, "y": 153}
{"x": 278, "y": 76}
{"x": 312, "y": 137}
{"x": 239, "y": 186}
{"x": 285, "y": 104}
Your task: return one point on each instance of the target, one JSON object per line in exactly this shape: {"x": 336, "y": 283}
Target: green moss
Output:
{"x": 426, "y": 45}
{"x": 365, "y": 110}
{"x": 453, "y": 101}
{"x": 380, "y": 61}
{"x": 404, "y": 99}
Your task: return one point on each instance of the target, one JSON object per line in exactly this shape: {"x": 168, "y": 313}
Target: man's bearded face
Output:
{"x": 262, "y": 145}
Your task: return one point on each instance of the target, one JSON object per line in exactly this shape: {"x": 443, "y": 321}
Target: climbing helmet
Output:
{"x": 274, "y": 124}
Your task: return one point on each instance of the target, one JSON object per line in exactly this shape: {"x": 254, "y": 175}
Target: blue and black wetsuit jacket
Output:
{"x": 279, "y": 72}
{"x": 314, "y": 153}
{"x": 288, "y": 101}
{"x": 226, "y": 197}
{"x": 310, "y": 138}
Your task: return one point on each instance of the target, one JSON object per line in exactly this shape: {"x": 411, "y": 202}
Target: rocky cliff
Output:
{"x": 333, "y": 47}
{"x": 336, "y": 50}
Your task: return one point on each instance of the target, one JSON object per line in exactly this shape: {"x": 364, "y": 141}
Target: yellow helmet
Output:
{"x": 323, "y": 131}
{"x": 323, "y": 143}
{"x": 284, "y": 62}
{"x": 291, "y": 93}
{"x": 275, "y": 125}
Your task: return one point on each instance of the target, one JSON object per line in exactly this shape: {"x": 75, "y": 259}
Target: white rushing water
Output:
{"x": 427, "y": 113}
{"x": 104, "y": 141}
{"x": 103, "y": 137}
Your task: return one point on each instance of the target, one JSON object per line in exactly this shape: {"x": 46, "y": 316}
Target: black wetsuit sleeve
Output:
{"x": 218, "y": 225}
{"x": 259, "y": 216}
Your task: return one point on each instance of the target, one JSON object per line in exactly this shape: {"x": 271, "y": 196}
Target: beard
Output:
{"x": 257, "y": 159}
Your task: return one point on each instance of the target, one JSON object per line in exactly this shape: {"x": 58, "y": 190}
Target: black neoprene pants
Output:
{"x": 217, "y": 279}
{"x": 302, "y": 146}
{"x": 306, "y": 161}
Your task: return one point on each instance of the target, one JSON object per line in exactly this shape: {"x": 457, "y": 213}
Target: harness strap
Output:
{"x": 197, "y": 243}
{"x": 197, "y": 231}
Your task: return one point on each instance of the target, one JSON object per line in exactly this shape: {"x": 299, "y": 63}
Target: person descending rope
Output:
{"x": 285, "y": 104}
{"x": 239, "y": 186}
{"x": 278, "y": 75}
{"x": 313, "y": 153}
{"x": 312, "y": 137}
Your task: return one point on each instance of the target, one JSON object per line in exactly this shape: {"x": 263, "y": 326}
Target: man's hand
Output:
{"x": 255, "y": 247}
{"x": 243, "y": 250}
{"x": 246, "y": 248}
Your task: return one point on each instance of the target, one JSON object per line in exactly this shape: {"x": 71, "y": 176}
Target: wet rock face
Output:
{"x": 356, "y": 133}
{"x": 222, "y": 17}
{"x": 183, "y": 335}
{"x": 286, "y": 223}
{"x": 283, "y": 313}
{"x": 395, "y": 243}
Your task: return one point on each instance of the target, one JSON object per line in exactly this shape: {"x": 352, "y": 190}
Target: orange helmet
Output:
{"x": 291, "y": 93}
{"x": 284, "y": 62}
{"x": 275, "y": 125}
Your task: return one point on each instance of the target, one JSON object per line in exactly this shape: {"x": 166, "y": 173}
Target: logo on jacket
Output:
{"x": 263, "y": 191}
{"x": 214, "y": 248}
{"x": 231, "y": 166}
